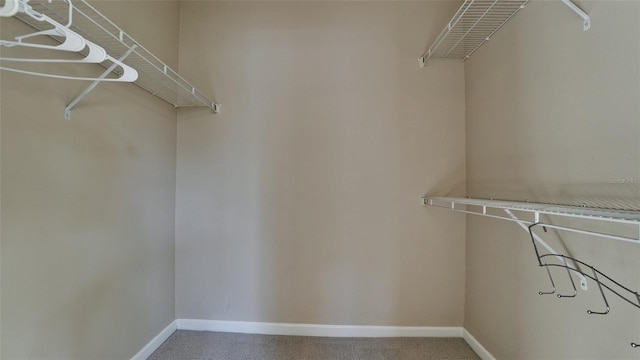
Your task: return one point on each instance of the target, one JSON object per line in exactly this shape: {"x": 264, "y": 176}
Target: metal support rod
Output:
{"x": 74, "y": 102}
{"x": 606, "y": 303}
{"x": 573, "y": 284}
{"x": 585, "y": 17}
{"x": 635, "y": 345}
{"x": 564, "y": 228}
{"x": 583, "y": 280}
{"x": 594, "y": 233}
{"x": 553, "y": 285}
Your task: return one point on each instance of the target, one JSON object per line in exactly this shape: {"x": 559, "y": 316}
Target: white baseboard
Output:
{"x": 311, "y": 330}
{"x": 477, "y": 347}
{"x": 155, "y": 343}
{"x": 318, "y": 330}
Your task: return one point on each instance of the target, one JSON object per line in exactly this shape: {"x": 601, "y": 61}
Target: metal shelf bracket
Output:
{"x": 586, "y": 20}
{"x": 422, "y": 62}
{"x": 74, "y": 102}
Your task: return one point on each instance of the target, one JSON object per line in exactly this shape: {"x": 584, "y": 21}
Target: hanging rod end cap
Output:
{"x": 422, "y": 62}
{"x": 587, "y": 24}
{"x": 216, "y": 108}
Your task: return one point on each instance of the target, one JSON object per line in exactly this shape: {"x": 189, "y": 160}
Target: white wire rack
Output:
{"x": 482, "y": 207}
{"x": 551, "y": 258}
{"x": 475, "y": 23}
{"x": 154, "y": 75}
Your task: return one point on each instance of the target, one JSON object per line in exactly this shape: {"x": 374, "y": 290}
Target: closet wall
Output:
{"x": 299, "y": 202}
{"x": 553, "y": 114}
{"x": 88, "y": 205}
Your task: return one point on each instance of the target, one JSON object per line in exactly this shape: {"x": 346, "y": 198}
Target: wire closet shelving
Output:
{"x": 515, "y": 211}
{"x": 474, "y": 23}
{"x": 154, "y": 75}
{"x": 482, "y": 206}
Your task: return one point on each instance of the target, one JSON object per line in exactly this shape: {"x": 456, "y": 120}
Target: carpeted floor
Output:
{"x": 201, "y": 345}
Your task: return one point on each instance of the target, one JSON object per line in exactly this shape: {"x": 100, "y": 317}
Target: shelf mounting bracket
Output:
{"x": 422, "y": 61}
{"x": 585, "y": 17}
{"x": 74, "y": 102}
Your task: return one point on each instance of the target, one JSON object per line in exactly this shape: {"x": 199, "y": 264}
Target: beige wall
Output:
{"x": 0, "y": 213}
{"x": 552, "y": 114}
{"x": 88, "y": 207}
{"x": 299, "y": 202}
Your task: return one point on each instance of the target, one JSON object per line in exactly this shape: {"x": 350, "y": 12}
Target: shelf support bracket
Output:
{"x": 74, "y": 102}
{"x": 583, "y": 280}
{"x": 585, "y": 17}
{"x": 422, "y": 61}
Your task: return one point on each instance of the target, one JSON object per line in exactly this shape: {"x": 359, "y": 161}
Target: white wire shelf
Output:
{"x": 551, "y": 209}
{"x": 154, "y": 75}
{"x": 546, "y": 256}
{"x": 475, "y": 23}
{"x": 482, "y": 207}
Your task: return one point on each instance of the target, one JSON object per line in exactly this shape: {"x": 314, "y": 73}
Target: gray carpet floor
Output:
{"x": 201, "y": 345}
